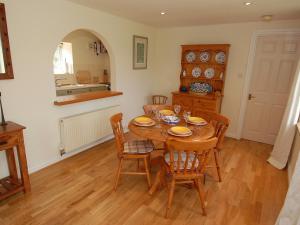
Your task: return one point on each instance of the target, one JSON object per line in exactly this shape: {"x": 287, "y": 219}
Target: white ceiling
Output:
{"x": 196, "y": 12}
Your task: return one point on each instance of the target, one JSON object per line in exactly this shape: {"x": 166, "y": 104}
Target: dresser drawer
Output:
{"x": 205, "y": 104}
{"x": 184, "y": 101}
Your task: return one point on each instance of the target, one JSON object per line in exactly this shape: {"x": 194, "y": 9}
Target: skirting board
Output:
{"x": 232, "y": 135}
{"x": 60, "y": 158}
{"x": 67, "y": 155}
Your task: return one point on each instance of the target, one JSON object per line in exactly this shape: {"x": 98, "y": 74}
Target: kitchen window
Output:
{"x": 63, "y": 59}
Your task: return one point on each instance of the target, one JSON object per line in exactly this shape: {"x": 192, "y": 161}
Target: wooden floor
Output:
{"x": 79, "y": 190}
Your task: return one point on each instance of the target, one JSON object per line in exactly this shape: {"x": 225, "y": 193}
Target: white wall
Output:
{"x": 239, "y": 35}
{"x": 35, "y": 28}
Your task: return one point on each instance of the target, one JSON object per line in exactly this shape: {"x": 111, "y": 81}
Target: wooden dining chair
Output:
{"x": 149, "y": 109}
{"x": 130, "y": 150}
{"x": 185, "y": 162}
{"x": 220, "y": 124}
{"x": 159, "y": 99}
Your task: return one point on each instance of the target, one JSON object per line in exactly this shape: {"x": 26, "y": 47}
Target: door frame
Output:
{"x": 249, "y": 68}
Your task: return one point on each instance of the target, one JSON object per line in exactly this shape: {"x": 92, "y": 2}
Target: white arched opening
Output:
{"x": 83, "y": 62}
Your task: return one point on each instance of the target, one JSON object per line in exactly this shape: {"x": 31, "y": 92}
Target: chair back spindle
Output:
{"x": 150, "y": 109}
{"x": 189, "y": 158}
{"x": 116, "y": 124}
{"x": 159, "y": 99}
{"x": 219, "y": 122}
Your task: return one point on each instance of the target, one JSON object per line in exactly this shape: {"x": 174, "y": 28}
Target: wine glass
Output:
{"x": 152, "y": 114}
{"x": 158, "y": 117}
{"x": 186, "y": 115}
{"x": 177, "y": 109}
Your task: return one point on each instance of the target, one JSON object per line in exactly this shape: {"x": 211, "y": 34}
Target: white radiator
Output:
{"x": 85, "y": 129}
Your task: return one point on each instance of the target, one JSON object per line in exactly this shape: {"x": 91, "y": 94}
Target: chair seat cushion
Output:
{"x": 182, "y": 162}
{"x": 138, "y": 147}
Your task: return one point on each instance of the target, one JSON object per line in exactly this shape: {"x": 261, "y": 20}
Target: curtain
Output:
{"x": 290, "y": 213}
{"x": 285, "y": 137}
{"x": 63, "y": 59}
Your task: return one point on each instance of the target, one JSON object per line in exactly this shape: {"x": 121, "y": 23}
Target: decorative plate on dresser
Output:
{"x": 196, "y": 72}
{"x": 220, "y": 57}
{"x": 204, "y": 56}
{"x": 190, "y": 57}
{"x": 203, "y": 86}
{"x": 209, "y": 73}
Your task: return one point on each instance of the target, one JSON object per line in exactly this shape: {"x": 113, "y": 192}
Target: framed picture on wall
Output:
{"x": 140, "y": 51}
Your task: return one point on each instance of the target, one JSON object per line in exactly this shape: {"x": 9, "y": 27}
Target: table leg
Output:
{"x": 156, "y": 183}
{"x": 23, "y": 164}
{"x": 11, "y": 161}
{"x": 159, "y": 177}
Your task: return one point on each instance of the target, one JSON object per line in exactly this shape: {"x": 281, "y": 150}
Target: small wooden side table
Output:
{"x": 11, "y": 136}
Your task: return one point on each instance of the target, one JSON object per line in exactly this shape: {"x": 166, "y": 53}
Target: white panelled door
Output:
{"x": 274, "y": 67}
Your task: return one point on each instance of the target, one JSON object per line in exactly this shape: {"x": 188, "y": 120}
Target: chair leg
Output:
{"x": 204, "y": 178}
{"x": 201, "y": 195}
{"x": 118, "y": 173}
{"x": 138, "y": 164}
{"x": 163, "y": 181}
{"x": 170, "y": 198}
{"x": 147, "y": 171}
{"x": 217, "y": 165}
{"x": 149, "y": 162}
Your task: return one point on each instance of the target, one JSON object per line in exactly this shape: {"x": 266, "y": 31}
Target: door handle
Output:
{"x": 250, "y": 96}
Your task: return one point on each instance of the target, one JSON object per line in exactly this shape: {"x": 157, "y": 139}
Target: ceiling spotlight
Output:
{"x": 267, "y": 18}
{"x": 247, "y": 3}
{"x": 162, "y": 13}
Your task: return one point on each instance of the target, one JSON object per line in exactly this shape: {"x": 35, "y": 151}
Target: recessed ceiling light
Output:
{"x": 267, "y": 17}
{"x": 247, "y": 3}
{"x": 162, "y": 13}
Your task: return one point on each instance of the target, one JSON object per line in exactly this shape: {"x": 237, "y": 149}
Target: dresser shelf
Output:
{"x": 201, "y": 78}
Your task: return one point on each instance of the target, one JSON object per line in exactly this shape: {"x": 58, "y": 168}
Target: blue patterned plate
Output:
{"x": 201, "y": 88}
{"x": 220, "y": 57}
{"x": 209, "y": 73}
{"x": 190, "y": 57}
{"x": 196, "y": 72}
{"x": 171, "y": 119}
{"x": 204, "y": 56}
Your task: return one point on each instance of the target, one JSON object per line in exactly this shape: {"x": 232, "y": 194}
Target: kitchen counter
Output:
{"x": 77, "y": 86}
{"x": 71, "y": 99}
{"x": 72, "y": 89}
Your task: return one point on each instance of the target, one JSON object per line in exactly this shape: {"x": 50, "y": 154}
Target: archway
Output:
{"x": 81, "y": 63}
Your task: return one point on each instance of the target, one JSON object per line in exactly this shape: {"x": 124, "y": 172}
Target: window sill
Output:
{"x": 71, "y": 99}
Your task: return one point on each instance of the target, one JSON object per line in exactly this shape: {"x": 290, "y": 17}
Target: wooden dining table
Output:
{"x": 159, "y": 132}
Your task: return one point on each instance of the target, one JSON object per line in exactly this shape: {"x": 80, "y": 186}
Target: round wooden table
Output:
{"x": 158, "y": 132}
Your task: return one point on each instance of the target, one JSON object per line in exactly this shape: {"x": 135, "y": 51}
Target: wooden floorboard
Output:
{"x": 79, "y": 190}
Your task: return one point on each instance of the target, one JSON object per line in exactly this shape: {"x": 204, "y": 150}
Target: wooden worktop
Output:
{"x": 70, "y": 99}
